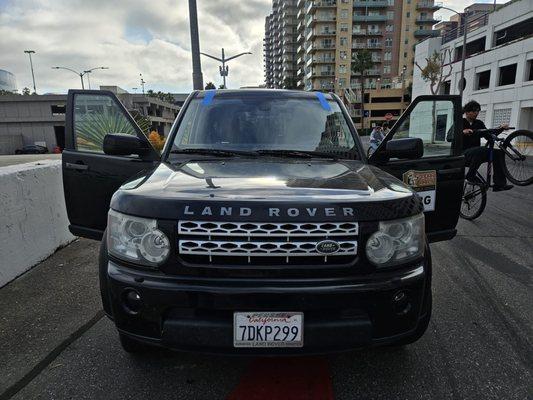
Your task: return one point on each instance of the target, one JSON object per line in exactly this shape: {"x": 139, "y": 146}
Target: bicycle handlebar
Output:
{"x": 493, "y": 132}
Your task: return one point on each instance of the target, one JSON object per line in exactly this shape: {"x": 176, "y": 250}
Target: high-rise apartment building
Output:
{"x": 280, "y": 45}
{"x": 322, "y": 37}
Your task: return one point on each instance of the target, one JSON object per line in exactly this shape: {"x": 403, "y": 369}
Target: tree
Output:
{"x": 168, "y": 97}
{"x": 210, "y": 85}
{"x": 362, "y": 62}
{"x": 221, "y": 87}
{"x": 433, "y": 72}
{"x": 26, "y": 91}
{"x": 289, "y": 83}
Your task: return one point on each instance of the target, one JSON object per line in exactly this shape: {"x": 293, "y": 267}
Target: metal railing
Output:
{"x": 473, "y": 24}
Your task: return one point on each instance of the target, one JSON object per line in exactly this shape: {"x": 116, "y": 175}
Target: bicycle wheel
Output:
{"x": 518, "y": 149}
{"x": 473, "y": 202}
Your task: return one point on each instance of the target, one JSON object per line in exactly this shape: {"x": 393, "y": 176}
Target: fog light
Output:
{"x": 400, "y": 303}
{"x": 132, "y": 301}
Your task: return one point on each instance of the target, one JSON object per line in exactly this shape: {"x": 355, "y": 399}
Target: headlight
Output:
{"x": 396, "y": 241}
{"x": 136, "y": 239}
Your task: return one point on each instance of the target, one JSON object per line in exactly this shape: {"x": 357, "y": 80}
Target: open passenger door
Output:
{"x": 438, "y": 176}
{"x": 90, "y": 177}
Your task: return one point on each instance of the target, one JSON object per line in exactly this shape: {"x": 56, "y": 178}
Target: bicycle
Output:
{"x": 518, "y": 168}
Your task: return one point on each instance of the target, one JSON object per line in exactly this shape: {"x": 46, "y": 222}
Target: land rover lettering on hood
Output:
{"x": 261, "y": 228}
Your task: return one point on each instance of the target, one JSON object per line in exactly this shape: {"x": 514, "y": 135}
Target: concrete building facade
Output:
{"x": 7, "y": 81}
{"x": 499, "y": 66}
{"x": 40, "y": 119}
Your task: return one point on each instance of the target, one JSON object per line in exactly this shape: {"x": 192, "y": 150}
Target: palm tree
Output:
{"x": 362, "y": 62}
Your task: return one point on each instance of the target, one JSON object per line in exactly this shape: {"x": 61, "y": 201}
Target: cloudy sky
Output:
{"x": 132, "y": 37}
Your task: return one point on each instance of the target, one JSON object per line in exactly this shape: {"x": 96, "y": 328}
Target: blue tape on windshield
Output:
{"x": 323, "y": 101}
{"x": 208, "y": 97}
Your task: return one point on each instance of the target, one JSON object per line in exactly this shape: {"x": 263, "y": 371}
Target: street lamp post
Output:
{"x": 224, "y": 70}
{"x": 80, "y": 74}
{"x": 197, "y": 78}
{"x": 29, "y": 53}
{"x": 464, "y": 18}
{"x": 142, "y": 82}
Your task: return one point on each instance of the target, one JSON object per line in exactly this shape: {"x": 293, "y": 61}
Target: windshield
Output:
{"x": 263, "y": 122}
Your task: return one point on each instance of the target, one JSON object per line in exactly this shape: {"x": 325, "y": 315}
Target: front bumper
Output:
{"x": 197, "y": 315}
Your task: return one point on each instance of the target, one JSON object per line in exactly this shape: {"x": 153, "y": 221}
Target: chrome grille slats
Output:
{"x": 271, "y": 229}
{"x": 268, "y": 241}
{"x": 261, "y": 249}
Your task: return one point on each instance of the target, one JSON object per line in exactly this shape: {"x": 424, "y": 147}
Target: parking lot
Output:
{"x": 55, "y": 342}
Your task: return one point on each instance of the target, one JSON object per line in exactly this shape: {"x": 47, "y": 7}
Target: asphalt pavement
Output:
{"x": 56, "y": 344}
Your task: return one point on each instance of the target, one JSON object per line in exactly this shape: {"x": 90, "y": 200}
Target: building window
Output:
{"x": 342, "y": 69}
{"x": 390, "y": 2}
{"x": 482, "y": 80}
{"x": 406, "y": 41}
{"x": 344, "y": 27}
{"x": 344, "y": 14}
{"x": 404, "y": 54}
{"x": 390, "y": 14}
{"x": 388, "y": 42}
{"x": 507, "y": 75}
{"x": 343, "y": 55}
{"x": 408, "y": 14}
{"x": 389, "y": 28}
{"x": 407, "y": 28}
{"x": 387, "y": 56}
{"x": 529, "y": 71}
{"x": 58, "y": 110}
{"x": 344, "y": 41}
{"x": 501, "y": 116}
{"x": 386, "y": 69}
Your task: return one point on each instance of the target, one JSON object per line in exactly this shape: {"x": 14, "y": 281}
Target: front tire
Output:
{"x": 473, "y": 202}
{"x": 518, "y": 165}
{"x": 132, "y": 346}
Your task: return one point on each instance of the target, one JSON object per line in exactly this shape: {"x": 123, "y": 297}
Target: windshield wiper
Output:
{"x": 214, "y": 152}
{"x": 296, "y": 153}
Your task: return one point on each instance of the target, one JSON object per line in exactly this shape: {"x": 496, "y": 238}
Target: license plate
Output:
{"x": 268, "y": 329}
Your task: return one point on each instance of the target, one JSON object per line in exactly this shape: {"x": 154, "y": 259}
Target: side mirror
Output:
{"x": 119, "y": 144}
{"x": 407, "y": 148}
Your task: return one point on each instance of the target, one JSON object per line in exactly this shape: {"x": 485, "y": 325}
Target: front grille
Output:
{"x": 245, "y": 243}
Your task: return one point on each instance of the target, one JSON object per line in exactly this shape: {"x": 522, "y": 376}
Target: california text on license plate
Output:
{"x": 268, "y": 329}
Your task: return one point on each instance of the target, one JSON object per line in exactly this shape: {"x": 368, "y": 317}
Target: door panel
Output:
{"x": 90, "y": 177}
{"x": 438, "y": 176}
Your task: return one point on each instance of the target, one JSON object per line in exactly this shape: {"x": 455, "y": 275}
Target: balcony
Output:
{"x": 323, "y": 60}
{"x": 300, "y": 26}
{"x": 356, "y": 45}
{"x": 370, "y": 4}
{"x": 374, "y": 45}
{"x": 374, "y": 71}
{"x": 426, "y": 33}
{"x": 327, "y": 73}
{"x": 312, "y": 20}
{"x": 374, "y": 32}
{"x": 427, "y": 20}
{"x": 322, "y": 4}
{"x": 376, "y": 59}
{"x": 325, "y": 33}
{"x": 359, "y": 32}
{"x": 370, "y": 18}
{"x": 428, "y": 5}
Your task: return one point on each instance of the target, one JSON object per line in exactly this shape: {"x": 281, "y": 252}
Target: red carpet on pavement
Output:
{"x": 298, "y": 378}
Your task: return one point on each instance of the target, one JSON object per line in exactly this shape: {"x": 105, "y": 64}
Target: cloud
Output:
{"x": 129, "y": 37}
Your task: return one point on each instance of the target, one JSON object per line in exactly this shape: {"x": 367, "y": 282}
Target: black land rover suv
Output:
{"x": 262, "y": 227}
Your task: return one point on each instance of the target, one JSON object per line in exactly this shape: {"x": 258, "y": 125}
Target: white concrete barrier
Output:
{"x": 33, "y": 217}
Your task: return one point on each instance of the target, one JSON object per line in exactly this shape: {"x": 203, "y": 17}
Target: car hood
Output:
{"x": 257, "y": 182}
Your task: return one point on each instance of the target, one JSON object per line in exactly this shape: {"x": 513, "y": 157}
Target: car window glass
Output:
{"x": 94, "y": 117}
{"x": 263, "y": 123}
{"x": 432, "y": 121}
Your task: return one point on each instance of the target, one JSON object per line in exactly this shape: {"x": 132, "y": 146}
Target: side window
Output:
{"x": 431, "y": 121}
{"x": 94, "y": 117}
